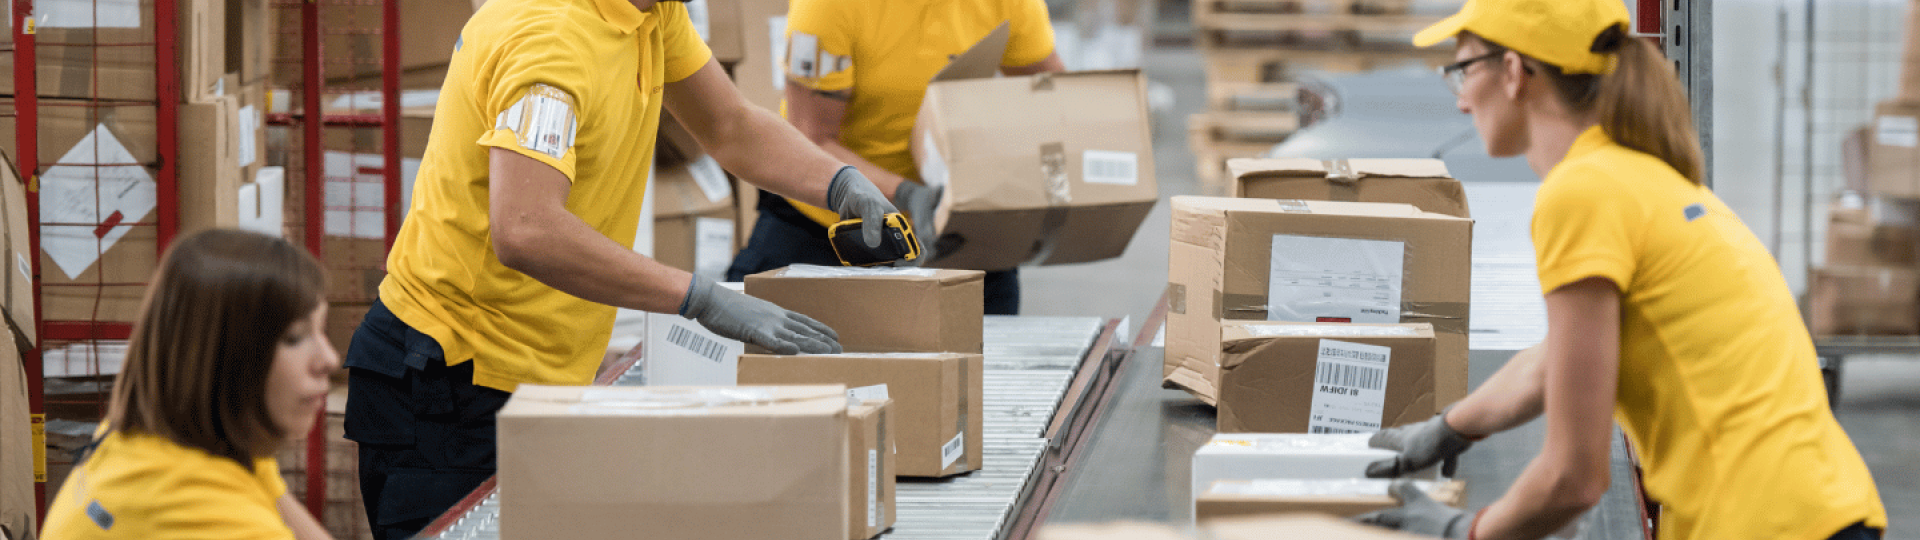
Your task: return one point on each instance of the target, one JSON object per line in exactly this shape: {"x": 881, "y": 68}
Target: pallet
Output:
{"x": 1243, "y": 67}
{"x": 1253, "y": 96}
{"x": 1207, "y": 8}
{"x": 1215, "y": 137}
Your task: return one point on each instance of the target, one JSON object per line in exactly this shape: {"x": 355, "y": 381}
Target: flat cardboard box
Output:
{"x": 1278, "y": 377}
{"x": 1222, "y": 267}
{"x": 746, "y": 463}
{"x": 870, "y": 469}
{"x": 1864, "y": 300}
{"x": 1298, "y": 456}
{"x": 936, "y": 396}
{"x": 1315, "y": 526}
{"x": 693, "y": 227}
{"x": 17, "y": 463}
{"x": 681, "y": 352}
{"x": 1872, "y": 231}
{"x": 1337, "y": 498}
{"x": 1125, "y": 530}
{"x": 883, "y": 310}
{"x": 1423, "y": 183}
{"x": 1893, "y": 154}
{"x": 1093, "y": 186}
{"x": 16, "y": 269}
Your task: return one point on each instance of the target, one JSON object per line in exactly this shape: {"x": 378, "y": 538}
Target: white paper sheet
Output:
{"x": 1319, "y": 279}
{"x": 75, "y": 190}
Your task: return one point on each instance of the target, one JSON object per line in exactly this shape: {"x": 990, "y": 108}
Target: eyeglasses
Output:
{"x": 1456, "y": 73}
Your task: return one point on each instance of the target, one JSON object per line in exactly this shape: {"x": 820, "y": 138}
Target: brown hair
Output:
{"x": 196, "y": 368}
{"x": 1641, "y": 104}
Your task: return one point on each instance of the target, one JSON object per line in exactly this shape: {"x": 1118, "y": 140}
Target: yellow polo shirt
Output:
{"x": 148, "y": 487}
{"x": 610, "y": 61}
{"x": 1719, "y": 386}
{"x": 886, "y": 51}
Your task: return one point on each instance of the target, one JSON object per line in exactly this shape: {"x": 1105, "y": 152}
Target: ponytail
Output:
{"x": 1642, "y": 106}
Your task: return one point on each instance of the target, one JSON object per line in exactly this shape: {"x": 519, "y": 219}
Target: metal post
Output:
{"x": 390, "y": 112}
{"x": 1689, "y": 44}
{"x": 310, "y": 63}
{"x": 26, "y": 133}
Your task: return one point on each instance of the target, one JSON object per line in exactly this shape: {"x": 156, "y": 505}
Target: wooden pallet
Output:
{"x": 1253, "y": 96}
{"x": 1215, "y": 137}
{"x": 1241, "y": 67}
{"x": 1207, "y": 8}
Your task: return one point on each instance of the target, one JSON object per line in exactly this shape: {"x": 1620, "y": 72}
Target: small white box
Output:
{"x": 677, "y": 351}
{"x": 1302, "y": 456}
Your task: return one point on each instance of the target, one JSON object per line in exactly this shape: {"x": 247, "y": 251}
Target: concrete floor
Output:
{"x": 1880, "y": 405}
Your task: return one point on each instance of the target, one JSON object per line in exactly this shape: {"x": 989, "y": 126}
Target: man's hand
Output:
{"x": 853, "y": 196}
{"x": 1421, "y": 445}
{"x": 1419, "y": 514}
{"x": 918, "y": 201}
{"x": 737, "y": 316}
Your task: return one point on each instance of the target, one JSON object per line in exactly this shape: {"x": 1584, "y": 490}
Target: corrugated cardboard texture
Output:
{"x": 758, "y": 65}
{"x": 1267, "y": 383}
{"x": 1211, "y": 506}
{"x": 768, "y": 470}
{"x": 1318, "y": 527}
{"x": 17, "y": 510}
{"x": 870, "y": 443}
{"x": 1109, "y": 531}
{"x": 210, "y": 172}
{"x": 1864, "y": 300}
{"x": 1016, "y": 151}
{"x": 886, "y": 314}
{"x": 723, "y": 31}
{"x": 1873, "y": 232}
{"x": 1221, "y": 251}
{"x": 1423, "y": 183}
{"x": 428, "y": 30}
{"x": 18, "y": 270}
{"x": 933, "y": 396}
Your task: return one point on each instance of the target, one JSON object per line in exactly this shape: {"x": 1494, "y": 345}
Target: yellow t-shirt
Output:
{"x": 610, "y": 61}
{"x": 884, "y": 52}
{"x": 147, "y": 487}
{"x": 1719, "y": 386}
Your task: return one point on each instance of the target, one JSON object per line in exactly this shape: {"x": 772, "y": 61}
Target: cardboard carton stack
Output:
{"x": 1868, "y": 284}
{"x": 1255, "y": 50}
{"x": 693, "y": 209}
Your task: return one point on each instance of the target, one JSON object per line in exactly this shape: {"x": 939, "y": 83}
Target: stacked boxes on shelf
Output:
{"x": 1868, "y": 284}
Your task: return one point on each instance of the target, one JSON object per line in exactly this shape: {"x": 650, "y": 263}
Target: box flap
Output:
{"x": 888, "y": 273}
{"x": 1294, "y": 206}
{"x": 982, "y": 60}
{"x": 1356, "y": 168}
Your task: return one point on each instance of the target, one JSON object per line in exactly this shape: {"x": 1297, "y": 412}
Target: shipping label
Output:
{"x": 1349, "y": 387}
{"x": 1346, "y": 280}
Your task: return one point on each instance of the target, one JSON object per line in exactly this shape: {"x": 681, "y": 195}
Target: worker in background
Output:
{"x": 228, "y": 363}
{"x": 516, "y": 248}
{"x": 856, "y": 73}
{"x": 1663, "y": 310}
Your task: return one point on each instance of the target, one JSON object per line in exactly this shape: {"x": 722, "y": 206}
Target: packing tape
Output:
{"x": 663, "y": 400}
{"x": 1177, "y": 298}
{"x": 1344, "y": 184}
{"x": 1446, "y": 317}
{"x": 966, "y": 392}
{"x": 1042, "y": 82}
{"x": 1059, "y": 189}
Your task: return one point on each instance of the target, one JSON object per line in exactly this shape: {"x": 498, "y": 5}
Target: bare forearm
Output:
{"x": 566, "y": 254}
{"x": 1535, "y": 507}
{"x": 768, "y": 152}
{"x": 1511, "y": 397}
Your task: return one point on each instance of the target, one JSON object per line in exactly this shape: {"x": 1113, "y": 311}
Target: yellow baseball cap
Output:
{"x": 1558, "y": 32}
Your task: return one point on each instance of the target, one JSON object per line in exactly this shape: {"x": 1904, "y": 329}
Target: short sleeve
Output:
{"x": 820, "y": 45}
{"x": 1030, "y": 37}
{"x": 267, "y": 469}
{"x": 532, "y": 96}
{"x": 1585, "y": 226}
{"x": 213, "y": 504}
{"x": 686, "y": 52}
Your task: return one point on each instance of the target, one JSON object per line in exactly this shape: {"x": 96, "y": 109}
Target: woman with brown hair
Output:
{"x": 1663, "y": 310}
{"x": 228, "y": 362}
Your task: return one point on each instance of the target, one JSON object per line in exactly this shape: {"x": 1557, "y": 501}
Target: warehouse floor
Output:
{"x": 1879, "y": 403}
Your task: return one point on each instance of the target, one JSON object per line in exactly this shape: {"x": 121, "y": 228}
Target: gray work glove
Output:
{"x": 735, "y": 315}
{"x": 852, "y": 195}
{"x": 918, "y": 201}
{"x": 1421, "y": 445}
{"x": 1419, "y": 514}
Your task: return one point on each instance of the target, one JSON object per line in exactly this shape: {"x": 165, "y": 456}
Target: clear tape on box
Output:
{"x": 1292, "y": 487}
{"x": 815, "y": 271}
{"x": 1329, "y": 330}
{"x": 1295, "y": 443}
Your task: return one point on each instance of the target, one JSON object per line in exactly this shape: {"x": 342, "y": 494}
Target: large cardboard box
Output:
{"x": 693, "y": 218}
{"x": 16, "y": 269}
{"x": 1864, "y": 300}
{"x": 761, "y": 73}
{"x": 1042, "y": 169}
{"x": 228, "y": 152}
{"x": 351, "y": 39}
{"x": 1872, "y": 231}
{"x": 719, "y": 22}
{"x": 870, "y": 469}
{"x": 742, "y": 463}
{"x": 883, "y": 310}
{"x": 17, "y": 462}
{"x": 1313, "y": 261}
{"x": 936, "y": 396}
{"x": 1893, "y": 156}
{"x": 104, "y": 50}
{"x": 1338, "y": 498}
{"x": 1299, "y": 456}
{"x": 1910, "y": 56}
{"x": 1280, "y": 377}
{"x": 1423, "y": 183}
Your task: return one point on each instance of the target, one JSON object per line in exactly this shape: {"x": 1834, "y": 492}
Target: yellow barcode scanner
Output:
{"x": 897, "y": 242}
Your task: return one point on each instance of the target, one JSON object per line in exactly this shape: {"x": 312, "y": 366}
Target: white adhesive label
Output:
{"x": 712, "y": 247}
{"x": 1329, "y": 330}
{"x": 816, "y": 271}
{"x": 933, "y": 168}
{"x": 543, "y": 121}
{"x": 681, "y": 336}
{"x": 87, "y": 13}
{"x": 953, "y": 450}
{"x": 1108, "y": 167}
{"x": 1349, "y": 388}
{"x": 711, "y": 178}
{"x": 1901, "y": 131}
{"x": 873, "y": 488}
{"x": 249, "y": 121}
{"x": 777, "y": 36}
{"x": 98, "y": 181}
{"x": 876, "y": 392}
{"x": 1317, "y": 279}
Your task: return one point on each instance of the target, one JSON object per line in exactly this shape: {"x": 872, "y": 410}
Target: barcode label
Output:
{"x": 953, "y": 450}
{"x": 1107, "y": 167}
{"x": 697, "y": 344}
{"x": 873, "y": 488}
{"x": 1318, "y": 430}
{"x": 1902, "y": 131}
{"x": 1352, "y": 376}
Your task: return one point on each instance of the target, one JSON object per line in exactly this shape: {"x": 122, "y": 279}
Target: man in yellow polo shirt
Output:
{"x": 516, "y": 249}
{"x": 856, "y": 72}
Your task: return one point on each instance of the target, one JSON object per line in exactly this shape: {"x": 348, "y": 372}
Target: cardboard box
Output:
{"x": 870, "y": 469}
{"x": 106, "y": 51}
{"x": 1423, "y": 183}
{"x": 1893, "y": 157}
{"x": 693, "y": 217}
{"x": 1280, "y": 377}
{"x": 741, "y": 463}
{"x": 1338, "y": 498}
{"x": 355, "y": 267}
{"x": 883, "y": 310}
{"x": 17, "y": 453}
{"x": 16, "y": 269}
{"x": 936, "y": 397}
{"x": 1298, "y": 456}
{"x": 680, "y": 352}
{"x": 1872, "y": 231}
{"x": 352, "y": 41}
{"x": 1318, "y": 527}
{"x": 761, "y": 73}
{"x": 1910, "y": 56}
{"x": 1853, "y": 158}
{"x": 1864, "y": 300}
{"x": 229, "y": 152}
{"x": 1087, "y": 131}
{"x": 1313, "y": 261}
{"x": 675, "y": 146}
{"x": 723, "y": 28}
{"x": 1109, "y": 531}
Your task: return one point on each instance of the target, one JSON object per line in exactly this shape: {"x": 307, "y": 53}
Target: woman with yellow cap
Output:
{"x": 1663, "y": 310}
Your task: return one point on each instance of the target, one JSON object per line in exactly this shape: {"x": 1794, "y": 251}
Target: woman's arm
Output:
{"x": 1509, "y": 398}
